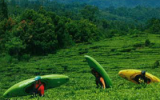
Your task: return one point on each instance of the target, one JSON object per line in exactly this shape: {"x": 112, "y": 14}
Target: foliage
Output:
{"x": 83, "y": 31}
{"x": 43, "y": 32}
{"x": 14, "y": 46}
{"x": 147, "y": 42}
{"x": 153, "y": 26}
{"x": 63, "y": 37}
{"x": 156, "y": 64}
{"x": 116, "y": 3}
{"x": 89, "y": 12}
{"x": 3, "y": 10}
{"x": 5, "y": 31}
{"x": 82, "y": 85}
{"x": 37, "y": 32}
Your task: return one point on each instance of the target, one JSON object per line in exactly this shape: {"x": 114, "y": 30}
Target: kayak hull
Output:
{"x": 130, "y": 74}
{"x": 94, "y": 64}
{"x": 26, "y": 87}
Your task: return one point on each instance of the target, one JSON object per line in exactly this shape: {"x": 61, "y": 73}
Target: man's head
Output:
{"x": 95, "y": 73}
{"x": 143, "y": 73}
{"x": 37, "y": 78}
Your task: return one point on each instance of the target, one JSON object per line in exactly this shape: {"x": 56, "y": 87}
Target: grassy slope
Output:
{"x": 113, "y": 54}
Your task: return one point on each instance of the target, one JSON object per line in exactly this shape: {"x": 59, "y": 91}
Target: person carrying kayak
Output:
{"x": 142, "y": 78}
{"x": 99, "y": 79}
{"x": 39, "y": 87}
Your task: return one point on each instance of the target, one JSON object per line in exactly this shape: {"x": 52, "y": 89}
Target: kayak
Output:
{"x": 130, "y": 74}
{"x": 26, "y": 87}
{"x": 95, "y": 65}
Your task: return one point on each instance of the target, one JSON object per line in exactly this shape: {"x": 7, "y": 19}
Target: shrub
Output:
{"x": 147, "y": 42}
{"x": 26, "y": 57}
{"x": 14, "y": 46}
{"x": 156, "y": 64}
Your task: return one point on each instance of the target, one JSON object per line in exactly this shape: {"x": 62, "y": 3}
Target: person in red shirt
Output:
{"x": 39, "y": 86}
{"x": 99, "y": 79}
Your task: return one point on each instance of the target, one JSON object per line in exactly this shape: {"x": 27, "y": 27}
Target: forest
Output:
{"x": 115, "y": 3}
{"x": 41, "y": 27}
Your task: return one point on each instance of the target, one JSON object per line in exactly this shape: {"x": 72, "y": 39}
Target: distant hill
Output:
{"x": 115, "y": 3}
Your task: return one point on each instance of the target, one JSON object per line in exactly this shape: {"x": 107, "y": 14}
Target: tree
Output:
{"x": 3, "y": 10}
{"x": 153, "y": 25}
{"x": 5, "y": 31}
{"x": 63, "y": 36}
{"x": 89, "y": 12}
{"x": 13, "y": 2}
{"x": 14, "y": 46}
{"x": 83, "y": 31}
{"x": 37, "y": 33}
{"x": 24, "y": 3}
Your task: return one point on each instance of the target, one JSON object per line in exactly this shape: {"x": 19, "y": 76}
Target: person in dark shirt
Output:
{"x": 99, "y": 79}
{"x": 142, "y": 78}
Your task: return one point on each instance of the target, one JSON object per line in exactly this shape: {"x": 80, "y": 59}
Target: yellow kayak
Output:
{"x": 132, "y": 74}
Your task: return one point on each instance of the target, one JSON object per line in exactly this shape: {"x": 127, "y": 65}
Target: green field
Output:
{"x": 114, "y": 54}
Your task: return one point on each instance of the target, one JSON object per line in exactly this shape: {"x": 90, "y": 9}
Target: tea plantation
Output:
{"x": 114, "y": 54}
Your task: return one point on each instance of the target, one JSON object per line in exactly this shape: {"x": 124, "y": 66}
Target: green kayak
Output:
{"x": 26, "y": 87}
{"x": 94, "y": 64}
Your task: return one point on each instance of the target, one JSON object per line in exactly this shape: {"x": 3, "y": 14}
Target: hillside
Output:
{"x": 124, "y": 10}
{"x": 114, "y": 54}
{"x": 115, "y": 3}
